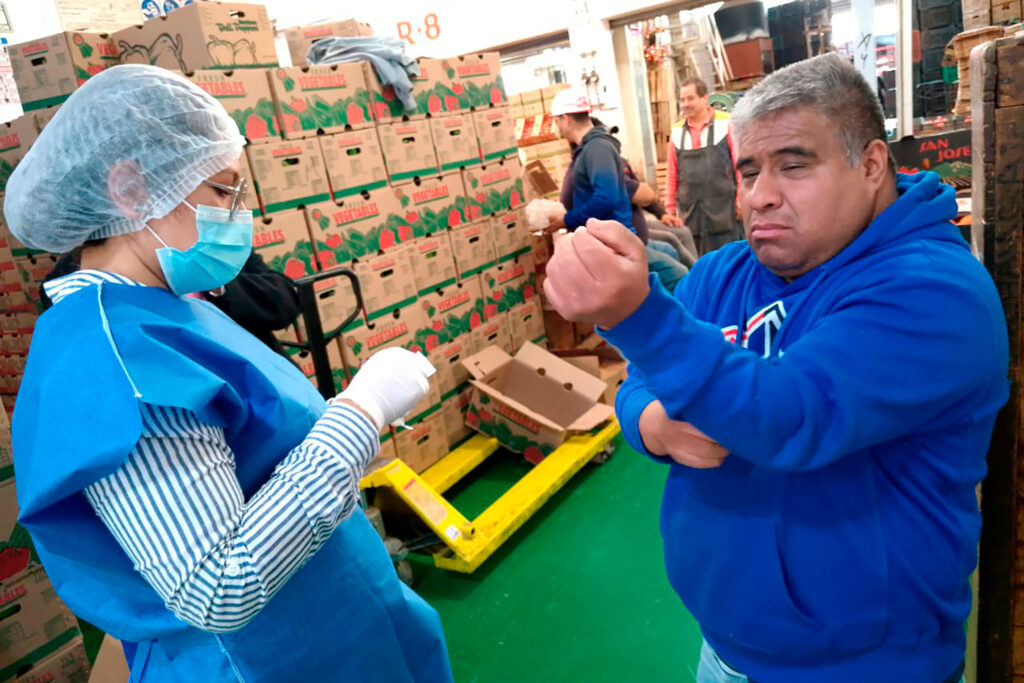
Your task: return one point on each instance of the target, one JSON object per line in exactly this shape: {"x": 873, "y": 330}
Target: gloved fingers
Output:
{"x": 424, "y": 365}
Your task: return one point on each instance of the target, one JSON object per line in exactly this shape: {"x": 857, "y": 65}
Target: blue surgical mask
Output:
{"x": 217, "y": 257}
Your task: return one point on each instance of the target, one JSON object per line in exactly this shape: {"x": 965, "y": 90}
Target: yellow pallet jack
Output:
{"x": 468, "y": 543}
{"x": 464, "y": 544}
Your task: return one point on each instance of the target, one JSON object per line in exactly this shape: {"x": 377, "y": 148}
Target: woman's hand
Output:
{"x": 389, "y": 384}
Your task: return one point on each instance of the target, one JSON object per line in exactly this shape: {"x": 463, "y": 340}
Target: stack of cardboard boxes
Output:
{"x": 39, "y": 637}
{"x": 424, "y": 206}
{"x": 981, "y": 13}
{"x": 539, "y": 143}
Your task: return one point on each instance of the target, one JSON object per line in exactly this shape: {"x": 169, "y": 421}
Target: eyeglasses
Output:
{"x": 238, "y": 193}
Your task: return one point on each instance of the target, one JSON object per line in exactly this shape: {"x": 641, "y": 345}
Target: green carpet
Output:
{"x": 578, "y": 594}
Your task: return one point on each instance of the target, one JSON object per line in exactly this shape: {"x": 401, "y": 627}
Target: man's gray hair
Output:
{"x": 832, "y": 86}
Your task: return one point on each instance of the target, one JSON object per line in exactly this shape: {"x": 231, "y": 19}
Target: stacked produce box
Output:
{"x": 425, "y": 206}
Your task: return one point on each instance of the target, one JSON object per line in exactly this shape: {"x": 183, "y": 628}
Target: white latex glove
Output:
{"x": 390, "y": 384}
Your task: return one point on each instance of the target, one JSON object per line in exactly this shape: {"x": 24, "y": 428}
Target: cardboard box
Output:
{"x": 110, "y": 665}
{"x": 425, "y": 444}
{"x": 515, "y": 106}
{"x": 44, "y": 116}
{"x": 478, "y": 82}
{"x": 435, "y": 90}
{"x": 611, "y": 372}
{"x": 96, "y": 15}
{"x": 496, "y": 133}
{"x": 452, "y": 374}
{"x": 245, "y": 95}
{"x": 408, "y": 151}
{"x": 474, "y": 249}
{"x": 434, "y": 203}
{"x": 496, "y": 187}
{"x": 452, "y": 311}
{"x": 205, "y": 35}
{"x": 534, "y": 130}
{"x": 526, "y": 324}
{"x": 433, "y": 262}
{"x": 359, "y": 225}
{"x": 252, "y": 200}
{"x": 510, "y": 234}
{"x": 282, "y": 239}
{"x": 398, "y": 328}
{"x": 533, "y": 402}
{"x": 541, "y": 248}
{"x": 18, "y": 554}
{"x": 49, "y": 69}
{"x": 321, "y": 99}
{"x": 16, "y": 137}
{"x": 34, "y": 623}
{"x": 508, "y": 285}
{"x": 289, "y": 174}
{"x": 301, "y": 38}
{"x": 454, "y": 410}
{"x": 34, "y": 269}
{"x": 493, "y": 332}
{"x": 1006, "y": 12}
{"x": 386, "y": 281}
{"x": 67, "y": 665}
{"x": 977, "y": 19}
{"x": 354, "y": 162}
{"x": 533, "y": 103}
{"x": 455, "y": 141}
{"x": 336, "y": 301}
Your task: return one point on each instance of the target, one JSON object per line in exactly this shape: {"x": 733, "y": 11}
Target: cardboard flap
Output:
{"x": 593, "y": 417}
{"x": 486, "y": 361}
{"x": 582, "y": 382}
{"x": 517, "y": 406}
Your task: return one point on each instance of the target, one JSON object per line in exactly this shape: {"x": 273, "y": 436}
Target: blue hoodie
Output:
{"x": 836, "y": 541}
{"x": 598, "y": 183}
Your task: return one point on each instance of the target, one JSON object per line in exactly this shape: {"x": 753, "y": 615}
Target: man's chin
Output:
{"x": 783, "y": 265}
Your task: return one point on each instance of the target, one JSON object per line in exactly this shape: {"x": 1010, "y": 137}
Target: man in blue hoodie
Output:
{"x": 824, "y": 394}
{"x": 595, "y": 185}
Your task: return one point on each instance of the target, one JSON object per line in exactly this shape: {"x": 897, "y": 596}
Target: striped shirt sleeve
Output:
{"x": 176, "y": 508}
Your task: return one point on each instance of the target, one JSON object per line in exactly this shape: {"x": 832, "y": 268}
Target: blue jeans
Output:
{"x": 714, "y": 670}
{"x": 663, "y": 262}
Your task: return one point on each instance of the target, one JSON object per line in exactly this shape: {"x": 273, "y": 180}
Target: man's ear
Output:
{"x": 127, "y": 188}
{"x": 876, "y": 162}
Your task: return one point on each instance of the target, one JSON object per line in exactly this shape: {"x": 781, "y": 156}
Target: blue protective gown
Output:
{"x": 99, "y": 353}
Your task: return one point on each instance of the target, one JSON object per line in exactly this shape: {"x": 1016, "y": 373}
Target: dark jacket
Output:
{"x": 259, "y": 299}
{"x": 598, "y": 187}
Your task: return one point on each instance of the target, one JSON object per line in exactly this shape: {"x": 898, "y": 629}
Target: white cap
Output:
{"x": 571, "y": 101}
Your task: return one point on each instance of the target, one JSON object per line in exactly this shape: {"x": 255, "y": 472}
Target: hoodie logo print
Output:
{"x": 760, "y": 331}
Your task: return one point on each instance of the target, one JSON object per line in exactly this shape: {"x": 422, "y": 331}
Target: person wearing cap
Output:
{"x": 701, "y": 184}
{"x": 187, "y": 489}
{"x": 595, "y": 184}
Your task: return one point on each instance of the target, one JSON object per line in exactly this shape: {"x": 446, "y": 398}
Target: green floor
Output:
{"x": 578, "y": 594}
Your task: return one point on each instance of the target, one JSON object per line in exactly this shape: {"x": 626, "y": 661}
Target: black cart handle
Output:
{"x": 316, "y": 338}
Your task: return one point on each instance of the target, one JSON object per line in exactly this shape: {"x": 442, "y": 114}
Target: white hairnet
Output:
{"x": 141, "y": 134}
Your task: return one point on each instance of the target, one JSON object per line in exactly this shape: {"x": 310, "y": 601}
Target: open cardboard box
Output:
{"x": 533, "y": 402}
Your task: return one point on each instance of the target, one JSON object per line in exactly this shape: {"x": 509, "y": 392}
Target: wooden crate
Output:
{"x": 997, "y": 221}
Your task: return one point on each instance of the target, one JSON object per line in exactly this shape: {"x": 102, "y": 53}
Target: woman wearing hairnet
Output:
{"x": 187, "y": 489}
